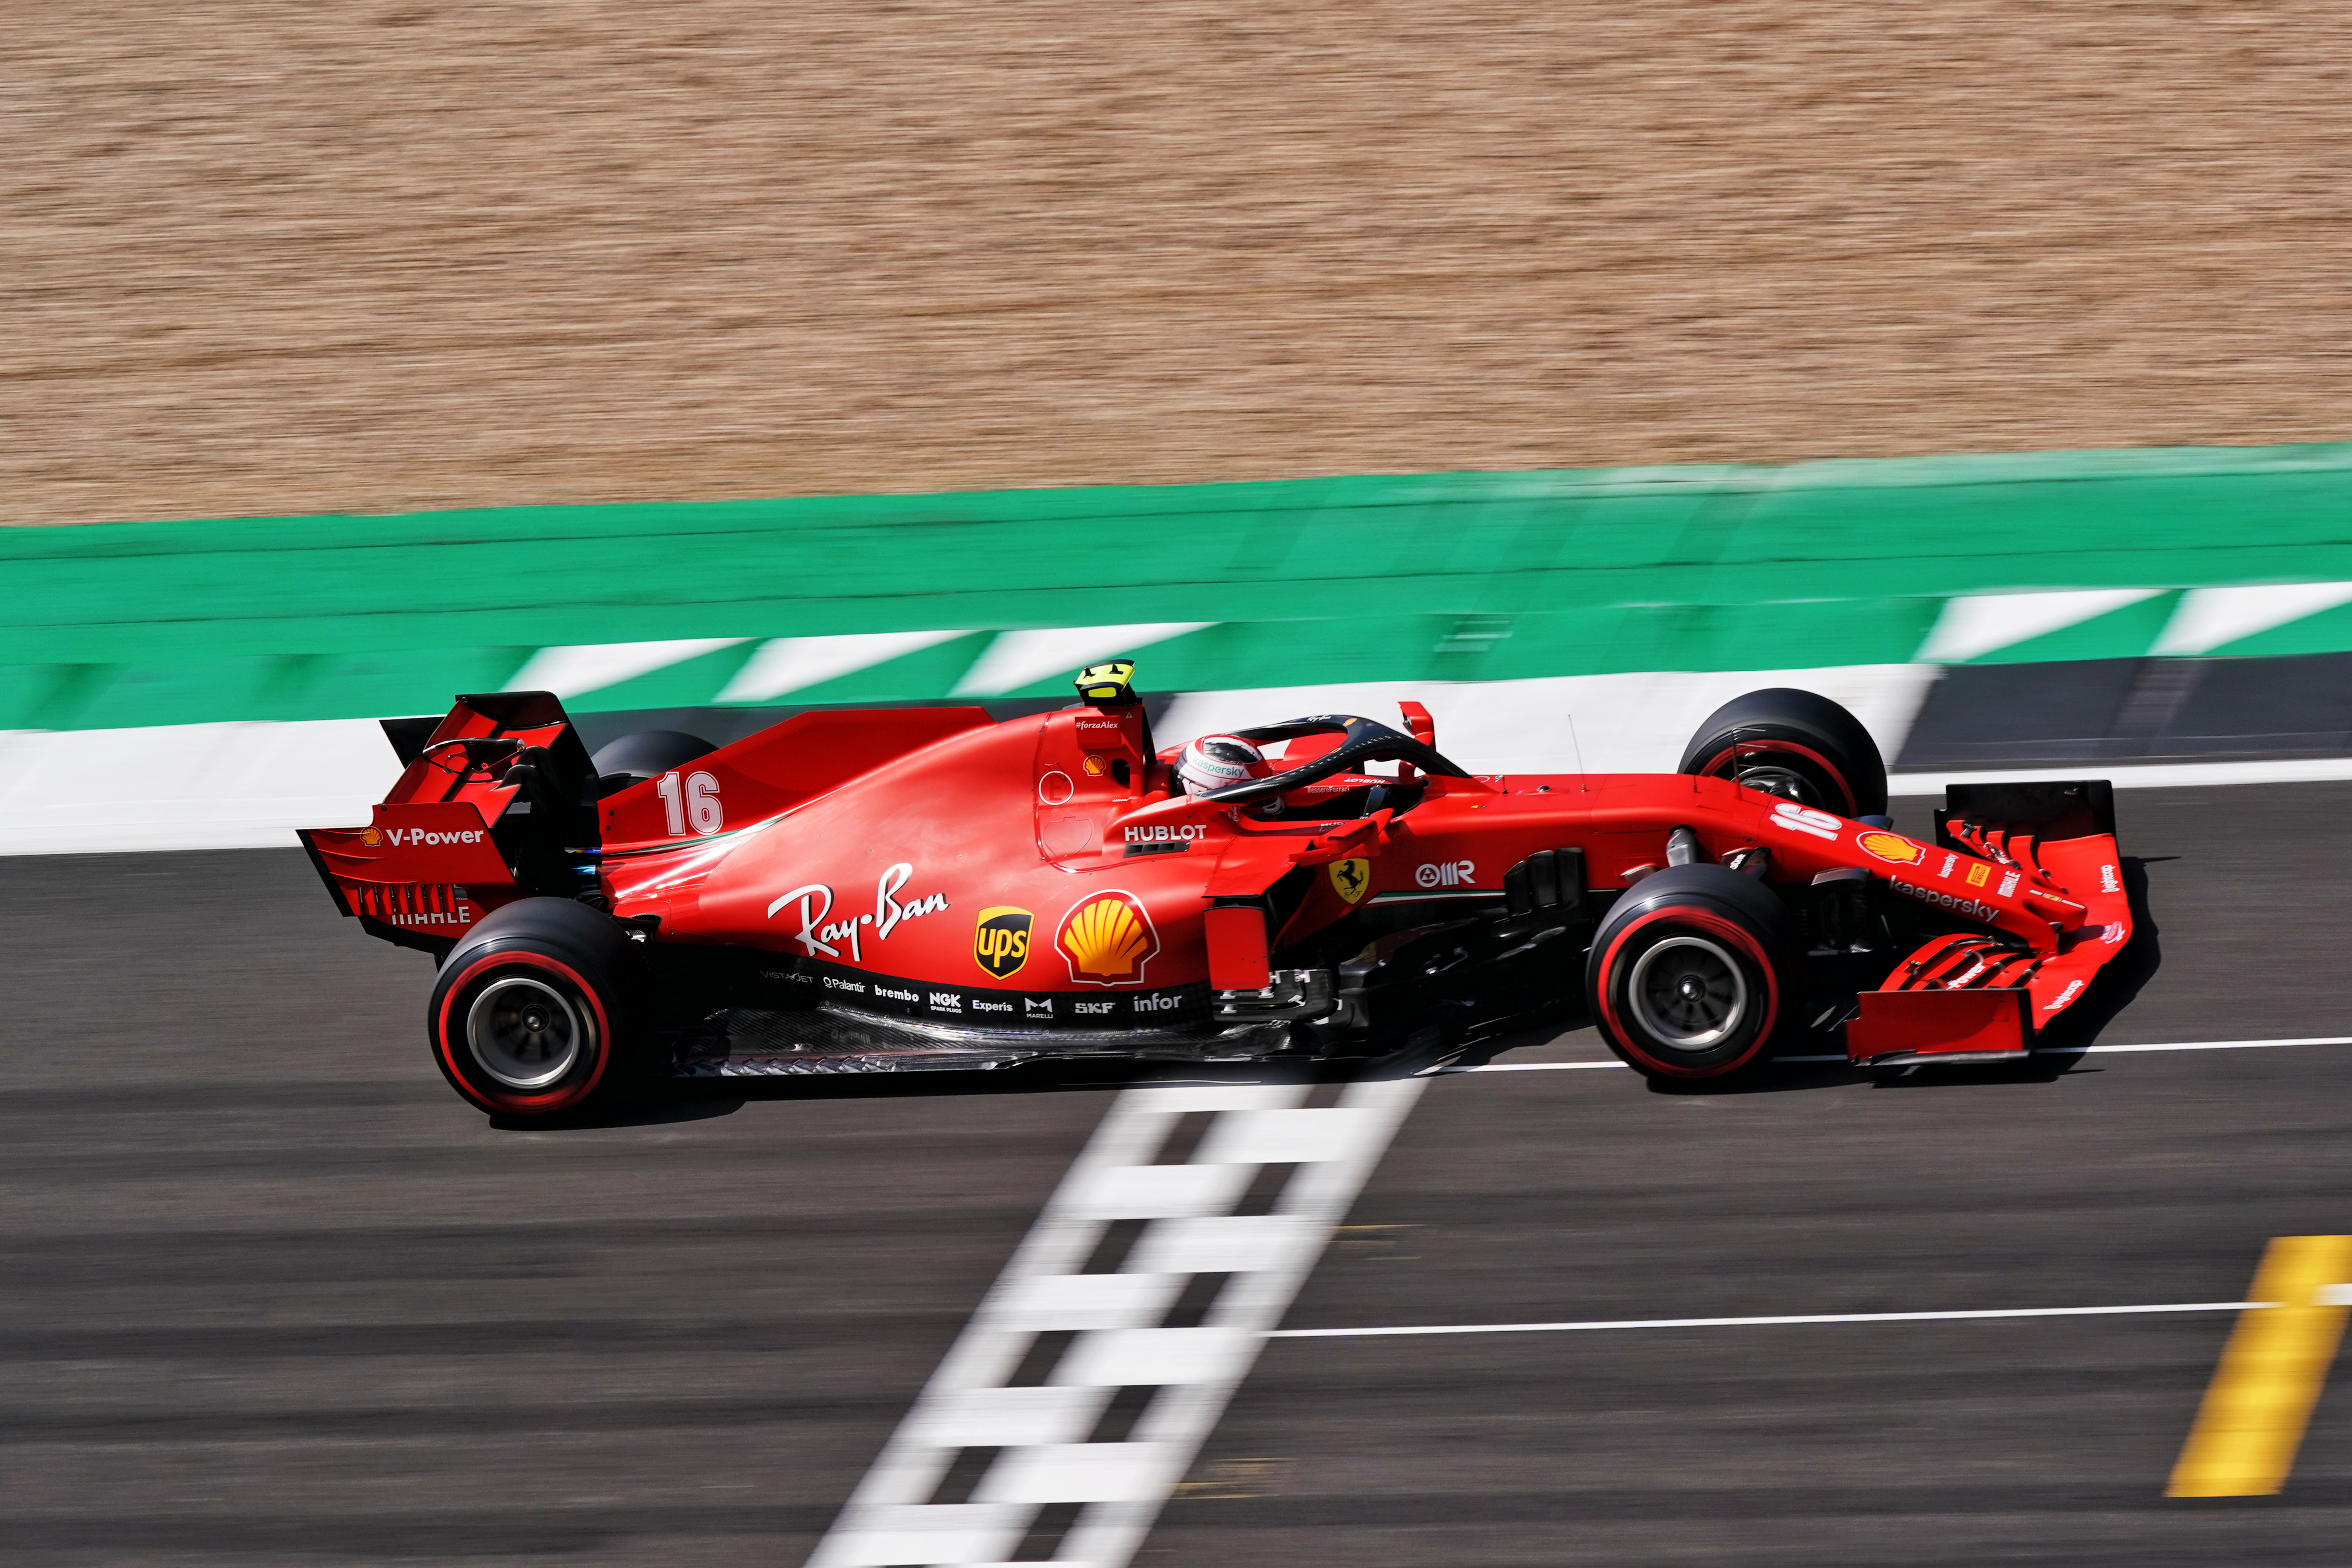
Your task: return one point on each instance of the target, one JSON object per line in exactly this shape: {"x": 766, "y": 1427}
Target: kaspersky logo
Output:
{"x": 999, "y": 941}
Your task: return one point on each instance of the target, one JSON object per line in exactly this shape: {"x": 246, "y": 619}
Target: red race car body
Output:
{"x": 928, "y": 888}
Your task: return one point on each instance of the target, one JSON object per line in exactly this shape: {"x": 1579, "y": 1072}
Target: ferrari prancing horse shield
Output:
{"x": 1351, "y": 877}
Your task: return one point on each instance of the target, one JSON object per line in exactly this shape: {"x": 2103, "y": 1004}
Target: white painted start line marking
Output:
{"x": 2055, "y": 1051}
{"x": 1040, "y": 1431}
{"x": 1763, "y": 1323}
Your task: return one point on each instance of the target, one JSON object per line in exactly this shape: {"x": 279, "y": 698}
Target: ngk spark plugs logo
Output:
{"x": 999, "y": 941}
{"x": 1445, "y": 874}
{"x": 1108, "y": 938}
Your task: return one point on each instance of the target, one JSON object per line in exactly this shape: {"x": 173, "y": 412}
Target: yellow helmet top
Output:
{"x": 1108, "y": 681}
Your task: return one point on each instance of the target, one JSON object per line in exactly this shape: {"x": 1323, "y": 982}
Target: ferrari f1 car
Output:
{"x": 906, "y": 889}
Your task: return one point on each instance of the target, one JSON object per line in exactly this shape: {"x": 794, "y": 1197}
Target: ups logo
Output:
{"x": 999, "y": 941}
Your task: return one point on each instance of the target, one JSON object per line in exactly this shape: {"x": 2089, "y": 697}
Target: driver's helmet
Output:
{"x": 1220, "y": 762}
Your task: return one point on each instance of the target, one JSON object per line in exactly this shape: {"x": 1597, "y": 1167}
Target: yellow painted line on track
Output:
{"x": 2247, "y": 1431}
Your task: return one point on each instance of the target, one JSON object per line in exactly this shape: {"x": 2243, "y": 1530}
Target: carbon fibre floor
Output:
{"x": 269, "y": 1292}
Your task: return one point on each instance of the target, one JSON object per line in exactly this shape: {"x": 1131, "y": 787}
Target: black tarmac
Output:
{"x": 271, "y": 1292}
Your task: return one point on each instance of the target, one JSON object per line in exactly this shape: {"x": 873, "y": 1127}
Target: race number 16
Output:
{"x": 697, "y": 803}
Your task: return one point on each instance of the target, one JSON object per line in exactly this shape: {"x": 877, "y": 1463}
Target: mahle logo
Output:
{"x": 999, "y": 941}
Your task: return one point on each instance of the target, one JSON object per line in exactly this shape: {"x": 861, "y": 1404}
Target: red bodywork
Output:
{"x": 932, "y": 863}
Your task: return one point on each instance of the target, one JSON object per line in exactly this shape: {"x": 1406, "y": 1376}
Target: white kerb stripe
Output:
{"x": 2050, "y": 1050}
{"x": 1122, "y": 1340}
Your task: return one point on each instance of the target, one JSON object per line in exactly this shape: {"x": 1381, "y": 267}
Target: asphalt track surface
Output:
{"x": 272, "y": 1293}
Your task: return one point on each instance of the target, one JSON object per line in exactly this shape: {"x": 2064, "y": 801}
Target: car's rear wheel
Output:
{"x": 527, "y": 1017}
{"x": 1692, "y": 974}
{"x": 1792, "y": 743}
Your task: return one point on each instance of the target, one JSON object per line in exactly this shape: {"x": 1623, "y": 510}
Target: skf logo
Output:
{"x": 371, "y": 837}
{"x": 999, "y": 941}
{"x": 1351, "y": 877}
{"x": 1445, "y": 874}
{"x": 1891, "y": 847}
{"x": 1108, "y": 938}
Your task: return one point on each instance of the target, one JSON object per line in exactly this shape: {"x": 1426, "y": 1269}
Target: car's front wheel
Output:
{"x": 526, "y": 1018}
{"x": 1692, "y": 975}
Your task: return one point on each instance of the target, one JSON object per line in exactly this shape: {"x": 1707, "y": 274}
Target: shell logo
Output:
{"x": 371, "y": 837}
{"x": 1891, "y": 847}
{"x": 1108, "y": 938}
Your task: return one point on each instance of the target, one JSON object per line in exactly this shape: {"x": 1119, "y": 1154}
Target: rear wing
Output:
{"x": 495, "y": 802}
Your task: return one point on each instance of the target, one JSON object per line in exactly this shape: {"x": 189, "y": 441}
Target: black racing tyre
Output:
{"x": 1694, "y": 973}
{"x": 527, "y": 1017}
{"x": 647, "y": 755}
{"x": 1794, "y": 743}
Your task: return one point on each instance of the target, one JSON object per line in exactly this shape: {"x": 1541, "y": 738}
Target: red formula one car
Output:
{"x": 880, "y": 890}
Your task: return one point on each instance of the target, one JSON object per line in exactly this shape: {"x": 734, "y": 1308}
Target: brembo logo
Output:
{"x": 1952, "y": 901}
{"x": 1446, "y": 874}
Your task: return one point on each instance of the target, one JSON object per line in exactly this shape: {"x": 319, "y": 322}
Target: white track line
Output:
{"x": 2151, "y": 775}
{"x": 1040, "y": 1431}
{"x": 1763, "y": 1323}
{"x": 2051, "y": 1051}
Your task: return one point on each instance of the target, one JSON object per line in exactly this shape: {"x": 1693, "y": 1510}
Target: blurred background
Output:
{"x": 1569, "y": 368}
{"x": 1500, "y": 344}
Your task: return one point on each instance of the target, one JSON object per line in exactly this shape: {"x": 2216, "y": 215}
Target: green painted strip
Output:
{"x": 1439, "y": 577}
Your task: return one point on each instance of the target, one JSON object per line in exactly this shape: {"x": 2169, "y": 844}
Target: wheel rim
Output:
{"x": 1786, "y": 783}
{"x": 1688, "y": 993}
{"x": 525, "y": 1032}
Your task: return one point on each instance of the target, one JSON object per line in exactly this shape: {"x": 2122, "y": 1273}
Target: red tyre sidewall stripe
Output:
{"x": 1708, "y": 768}
{"x": 555, "y": 1099}
{"x": 1732, "y": 931}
